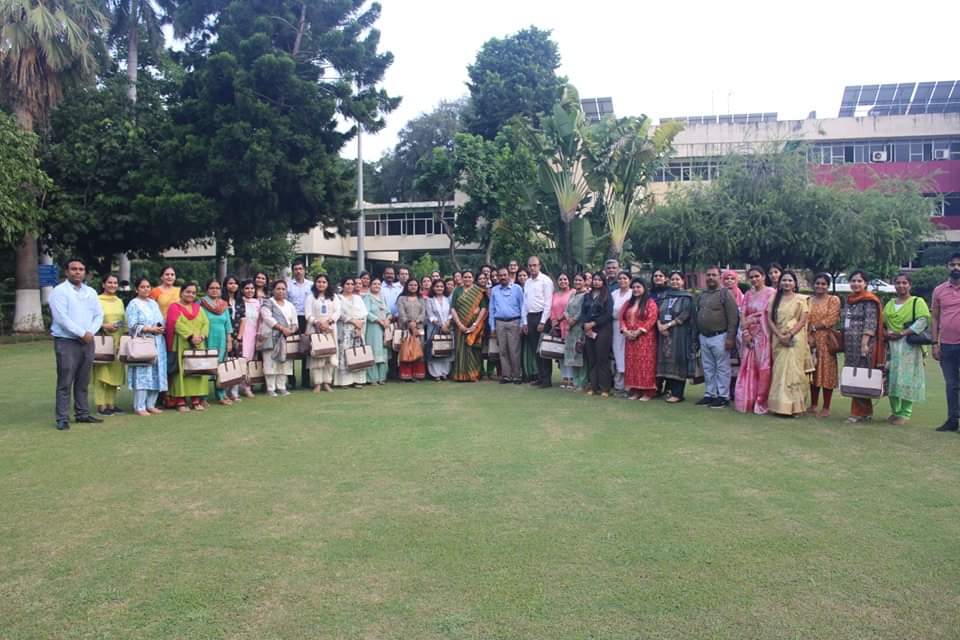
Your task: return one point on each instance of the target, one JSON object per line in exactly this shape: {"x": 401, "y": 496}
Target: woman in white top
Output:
{"x": 619, "y": 297}
{"x": 322, "y": 311}
{"x": 438, "y": 322}
{"x": 352, "y": 323}
{"x": 278, "y": 320}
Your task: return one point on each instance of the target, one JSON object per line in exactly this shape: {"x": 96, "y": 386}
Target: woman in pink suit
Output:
{"x": 756, "y": 349}
{"x": 249, "y": 326}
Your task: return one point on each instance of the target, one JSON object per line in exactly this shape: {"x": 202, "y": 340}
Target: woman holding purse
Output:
{"x": 438, "y": 323}
{"x": 905, "y": 316}
{"x": 108, "y": 377}
{"x": 278, "y": 321}
{"x": 146, "y": 381}
{"x": 350, "y": 326}
{"x": 323, "y": 311}
{"x": 411, "y": 313}
{"x": 249, "y": 327}
{"x": 378, "y": 319}
{"x": 186, "y": 328}
{"x": 221, "y": 330}
{"x": 863, "y": 343}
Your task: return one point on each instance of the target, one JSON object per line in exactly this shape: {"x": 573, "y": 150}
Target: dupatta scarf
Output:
{"x": 278, "y": 348}
{"x": 176, "y": 310}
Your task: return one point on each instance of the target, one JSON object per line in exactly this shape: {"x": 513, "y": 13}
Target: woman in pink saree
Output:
{"x": 756, "y": 352}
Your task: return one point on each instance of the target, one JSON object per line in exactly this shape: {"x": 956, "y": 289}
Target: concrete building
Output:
{"x": 899, "y": 139}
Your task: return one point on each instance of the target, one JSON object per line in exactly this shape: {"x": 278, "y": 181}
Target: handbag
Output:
{"x": 411, "y": 350}
{"x": 834, "y": 341}
{"x": 255, "y": 372}
{"x": 698, "y": 377}
{"x": 441, "y": 346}
{"x": 231, "y": 372}
{"x": 103, "y": 350}
{"x": 200, "y": 362}
{"x": 322, "y": 345}
{"x": 491, "y": 350}
{"x": 399, "y": 335}
{"x": 861, "y": 382}
{"x": 138, "y": 349}
{"x": 388, "y": 335}
{"x": 919, "y": 339}
{"x": 551, "y": 346}
{"x": 294, "y": 347}
{"x": 359, "y": 356}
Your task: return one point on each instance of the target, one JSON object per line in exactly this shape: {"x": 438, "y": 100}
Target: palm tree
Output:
{"x": 44, "y": 45}
{"x": 562, "y": 170}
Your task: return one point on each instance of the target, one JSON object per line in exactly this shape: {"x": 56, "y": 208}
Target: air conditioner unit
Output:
{"x": 878, "y": 156}
{"x": 941, "y": 154}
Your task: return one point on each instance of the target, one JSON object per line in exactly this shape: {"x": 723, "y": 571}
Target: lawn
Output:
{"x": 472, "y": 511}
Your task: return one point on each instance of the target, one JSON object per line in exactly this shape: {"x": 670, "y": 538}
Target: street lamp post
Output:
{"x": 361, "y": 222}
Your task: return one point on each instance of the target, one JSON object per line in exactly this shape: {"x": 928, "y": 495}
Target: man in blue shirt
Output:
{"x": 506, "y": 320}
{"x": 77, "y": 316}
{"x": 298, "y": 288}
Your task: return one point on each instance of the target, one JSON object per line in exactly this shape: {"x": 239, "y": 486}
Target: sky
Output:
{"x": 669, "y": 59}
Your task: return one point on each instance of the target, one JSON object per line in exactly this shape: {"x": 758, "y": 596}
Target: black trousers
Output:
{"x": 74, "y": 367}
{"x": 544, "y": 365}
{"x": 676, "y": 387}
{"x": 304, "y": 369}
{"x": 597, "y": 352}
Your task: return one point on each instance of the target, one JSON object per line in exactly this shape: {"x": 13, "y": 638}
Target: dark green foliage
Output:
{"x": 926, "y": 279}
{"x": 22, "y": 182}
{"x": 112, "y": 193}
{"x": 256, "y": 128}
{"x": 516, "y": 75}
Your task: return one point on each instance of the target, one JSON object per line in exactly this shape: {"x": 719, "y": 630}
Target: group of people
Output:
{"x": 768, "y": 350}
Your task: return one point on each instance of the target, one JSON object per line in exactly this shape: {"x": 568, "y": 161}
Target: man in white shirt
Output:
{"x": 77, "y": 316}
{"x": 298, "y": 288}
{"x": 537, "y": 296}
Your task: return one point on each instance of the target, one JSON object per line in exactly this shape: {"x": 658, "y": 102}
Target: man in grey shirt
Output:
{"x": 717, "y": 318}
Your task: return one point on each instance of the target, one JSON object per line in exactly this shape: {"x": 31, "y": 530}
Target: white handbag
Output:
{"x": 322, "y": 345}
{"x": 200, "y": 362}
{"x": 359, "y": 356}
{"x": 138, "y": 349}
{"x": 441, "y": 346}
{"x": 398, "y": 338}
{"x": 388, "y": 335}
{"x": 551, "y": 347}
{"x": 491, "y": 349}
{"x": 294, "y": 347}
{"x": 103, "y": 350}
{"x": 861, "y": 382}
{"x": 255, "y": 372}
{"x": 231, "y": 372}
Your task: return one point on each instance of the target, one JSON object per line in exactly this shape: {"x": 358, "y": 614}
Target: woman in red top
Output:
{"x": 637, "y": 320}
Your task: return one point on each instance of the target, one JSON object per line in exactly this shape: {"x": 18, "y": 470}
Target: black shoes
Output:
{"x": 705, "y": 401}
{"x": 949, "y": 425}
{"x": 62, "y": 425}
{"x": 89, "y": 420}
{"x": 505, "y": 381}
{"x": 720, "y": 403}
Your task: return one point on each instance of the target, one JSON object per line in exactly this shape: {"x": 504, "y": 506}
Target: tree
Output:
{"x": 131, "y": 17}
{"x": 417, "y": 139}
{"x": 110, "y": 184}
{"x": 22, "y": 183}
{"x": 512, "y": 76}
{"x": 44, "y": 47}
{"x": 562, "y": 144}
{"x": 622, "y": 158}
{"x": 437, "y": 177}
{"x": 257, "y": 126}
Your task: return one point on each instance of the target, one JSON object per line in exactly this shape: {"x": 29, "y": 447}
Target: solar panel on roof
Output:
{"x": 898, "y": 99}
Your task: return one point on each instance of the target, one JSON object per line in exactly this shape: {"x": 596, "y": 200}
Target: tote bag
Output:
{"x": 231, "y": 372}
{"x": 322, "y": 345}
{"x": 861, "y": 382}
{"x": 359, "y": 356}
{"x": 200, "y": 362}
{"x": 103, "y": 349}
{"x": 255, "y": 372}
{"x": 551, "y": 347}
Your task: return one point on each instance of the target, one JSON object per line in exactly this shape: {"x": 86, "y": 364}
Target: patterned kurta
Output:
{"x": 376, "y": 310}
{"x": 756, "y": 354}
{"x": 640, "y": 355}
{"x": 856, "y": 317}
{"x": 906, "y": 380}
{"x": 151, "y": 377}
{"x": 572, "y": 357}
{"x": 824, "y": 315}
{"x": 789, "y": 383}
{"x": 676, "y": 352}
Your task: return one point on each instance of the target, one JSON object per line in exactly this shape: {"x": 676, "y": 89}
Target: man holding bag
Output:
{"x": 77, "y": 316}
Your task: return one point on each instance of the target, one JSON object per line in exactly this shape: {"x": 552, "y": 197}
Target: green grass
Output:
{"x": 472, "y": 511}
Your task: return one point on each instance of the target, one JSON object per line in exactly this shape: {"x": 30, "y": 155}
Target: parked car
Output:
{"x": 842, "y": 285}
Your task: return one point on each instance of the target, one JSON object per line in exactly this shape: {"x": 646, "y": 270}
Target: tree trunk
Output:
{"x": 300, "y": 29}
{"x": 133, "y": 51}
{"x": 448, "y": 229}
{"x": 488, "y": 253}
{"x": 566, "y": 245}
{"x": 28, "y": 313}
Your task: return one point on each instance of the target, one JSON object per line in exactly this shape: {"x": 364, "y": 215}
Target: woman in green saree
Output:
{"x": 903, "y": 316}
{"x": 469, "y": 311}
{"x": 187, "y": 328}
